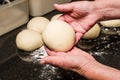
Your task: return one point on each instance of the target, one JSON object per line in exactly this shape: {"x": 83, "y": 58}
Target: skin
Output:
{"x": 81, "y": 16}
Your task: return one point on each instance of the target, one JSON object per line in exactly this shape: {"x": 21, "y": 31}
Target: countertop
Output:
{"x": 107, "y": 51}
{"x": 13, "y": 68}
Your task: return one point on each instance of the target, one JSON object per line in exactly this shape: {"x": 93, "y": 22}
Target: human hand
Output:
{"x": 80, "y": 15}
{"x": 75, "y": 60}
{"x": 82, "y": 63}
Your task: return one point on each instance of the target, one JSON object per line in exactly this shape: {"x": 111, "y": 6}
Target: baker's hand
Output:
{"x": 75, "y": 60}
{"x": 82, "y": 63}
{"x": 80, "y": 15}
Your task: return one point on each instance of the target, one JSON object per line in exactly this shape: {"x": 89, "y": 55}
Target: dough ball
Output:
{"x": 55, "y": 17}
{"x": 29, "y": 40}
{"x": 111, "y": 23}
{"x": 59, "y": 36}
{"x": 37, "y": 24}
{"x": 92, "y": 33}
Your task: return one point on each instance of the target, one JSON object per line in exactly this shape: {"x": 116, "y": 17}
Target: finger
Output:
{"x": 74, "y": 51}
{"x": 49, "y": 52}
{"x": 77, "y": 27}
{"x": 61, "y": 18}
{"x": 53, "y": 60}
{"x": 64, "y": 7}
{"x": 77, "y": 15}
{"x": 68, "y": 18}
{"x": 78, "y": 36}
{"x": 54, "y": 53}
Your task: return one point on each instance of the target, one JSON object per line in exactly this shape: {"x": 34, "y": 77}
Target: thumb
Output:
{"x": 64, "y": 7}
{"x": 53, "y": 60}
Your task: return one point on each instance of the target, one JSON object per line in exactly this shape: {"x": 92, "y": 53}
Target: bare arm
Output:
{"x": 107, "y": 9}
{"x": 82, "y": 63}
{"x": 98, "y": 71}
{"x": 81, "y": 16}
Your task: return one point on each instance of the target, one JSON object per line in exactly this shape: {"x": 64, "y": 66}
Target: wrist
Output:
{"x": 86, "y": 69}
{"x": 97, "y": 71}
{"x": 107, "y": 9}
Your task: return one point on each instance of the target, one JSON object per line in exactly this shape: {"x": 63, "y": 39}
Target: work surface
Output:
{"x": 106, "y": 51}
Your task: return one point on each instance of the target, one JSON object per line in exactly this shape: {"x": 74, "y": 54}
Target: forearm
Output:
{"x": 97, "y": 71}
{"x": 107, "y": 9}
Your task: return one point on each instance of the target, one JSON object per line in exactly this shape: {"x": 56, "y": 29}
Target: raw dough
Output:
{"x": 55, "y": 17}
{"x": 92, "y": 33}
{"x": 37, "y": 24}
{"x": 59, "y": 36}
{"x": 29, "y": 40}
{"x": 111, "y": 23}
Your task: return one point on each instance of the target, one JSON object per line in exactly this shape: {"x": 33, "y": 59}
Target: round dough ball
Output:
{"x": 38, "y": 24}
{"x": 92, "y": 33}
{"x": 29, "y": 40}
{"x": 59, "y": 36}
{"x": 111, "y": 23}
{"x": 55, "y": 17}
